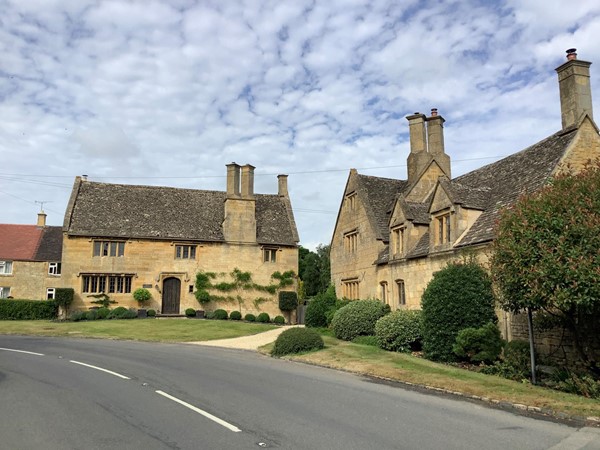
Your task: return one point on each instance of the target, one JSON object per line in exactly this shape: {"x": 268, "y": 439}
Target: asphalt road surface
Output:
{"x": 99, "y": 394}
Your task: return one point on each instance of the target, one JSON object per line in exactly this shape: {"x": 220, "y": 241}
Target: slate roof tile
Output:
{"x": 30, "y": 243}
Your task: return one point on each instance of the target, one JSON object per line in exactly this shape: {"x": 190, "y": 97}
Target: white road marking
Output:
{"x": 101, "y": 369}
{"x": 200, "y": 411}
{"x": 21, "y": 351}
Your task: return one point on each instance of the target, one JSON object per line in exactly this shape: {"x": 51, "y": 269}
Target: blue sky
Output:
{"x": 168, "y": 92}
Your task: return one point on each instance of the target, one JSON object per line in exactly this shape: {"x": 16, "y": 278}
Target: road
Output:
{"x": 101, "y": 394}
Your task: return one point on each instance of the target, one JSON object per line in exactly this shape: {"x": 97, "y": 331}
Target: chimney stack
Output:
{"x": 282, "y": 185}
{"x": 435, "y": 133}
{"x": 248, "y": 181}
{"x": 41, "y": 219}
{"x": 575, "y": 89}
{"x": 233, "y": 180}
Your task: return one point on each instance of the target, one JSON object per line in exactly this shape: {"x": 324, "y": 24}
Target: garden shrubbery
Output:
{"x": 263, "y": 317}
{"x": 28, "y": 309}
{"x": 295, "y": 340}
{"x": 250, "y": 318}
{"x": 279, "y": 320}
{"x": 479, "y": 345}
{"x": 235, "y": 315}
{"x": 317, "y": 308}
{"x": 400, "y": 331}
{"x": 458, "y": 297}
{"x": 220, "y": 314}
{"x": 190, "y": 312}
{"x": 357, "y": 318}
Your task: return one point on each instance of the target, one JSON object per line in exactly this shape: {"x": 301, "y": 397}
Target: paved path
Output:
{"x": 251, "y": 342}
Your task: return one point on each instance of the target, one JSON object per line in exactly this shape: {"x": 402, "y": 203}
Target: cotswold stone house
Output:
{"x": 392, "y": 235}
{"x": 118, "y": 238}
{"x": 30, "y": 260}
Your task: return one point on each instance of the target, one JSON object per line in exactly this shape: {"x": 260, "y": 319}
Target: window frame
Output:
{"x": 398, "y": 235}
{"x": 185, "y": 251}
{"x": 54, "y": 269}
{"x": 350, "y": 201}
{"x": 50, "y": 293}
{"x": 109, "y": 283}
{"x": 6, "y": 267}
{"x": 5, "y": 291}
{"x": 351, "y": 241}
{"x": 401, "y": 292}
{"x": 351, "y": 289}
{"x": 108, "y": 248}
{"x": 270, "y": 254}
{"x": 443, "y": 232}
{"x": 383, "y": 289}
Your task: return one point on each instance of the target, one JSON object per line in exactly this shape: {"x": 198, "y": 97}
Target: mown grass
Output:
{"x": 154, "y": 330}
{"x": 370, "y": 360}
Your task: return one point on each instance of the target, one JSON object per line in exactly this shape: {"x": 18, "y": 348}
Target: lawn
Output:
{"x": 370, "y": 360}
{"x": 156, "y": 330}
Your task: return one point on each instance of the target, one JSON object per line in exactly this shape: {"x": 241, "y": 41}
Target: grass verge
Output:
{"x": 369, "y": 360}
{"x": 154, "y": 330}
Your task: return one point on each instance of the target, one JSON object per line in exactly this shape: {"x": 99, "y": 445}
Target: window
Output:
{"x": 5, "y": 267}
{"x": 398, "y": 240}
{"x": 109, "y": 248}
{"x": 351, "y": 241}
{"x": 270, "y": 255}
{"x": 383, "y": 288}
{"x": 401, "y": 292}
{"x": 50, "y": 293}
{"x": 96, "y": 284}
{"x": 185, "y": 252}
{"x": 54, "y": 268}
{"x": 350, "y": 201}
{"x": 4, "y": 292}
{"x": 350, "y": 289}
{"x": 443, "y": 229}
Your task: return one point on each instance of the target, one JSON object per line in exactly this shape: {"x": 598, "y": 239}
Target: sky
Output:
{"x": 168, "y": 92}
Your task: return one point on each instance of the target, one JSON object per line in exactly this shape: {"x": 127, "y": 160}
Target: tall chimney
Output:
{"x": 418, "y": 157}
{"x": 248, "y": 181}
{"x": 233, "y": 180}
{"x": 41, "y": 219}
{"x": 282, "y": 182}
{"x": 575, "y": 90}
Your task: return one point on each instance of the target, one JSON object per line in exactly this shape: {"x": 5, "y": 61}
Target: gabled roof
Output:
{"x": 474, "y": 197}
{"x": 30, "y": 243}
{"x": 509, "y": 178}
{"x": 158, "y": 212}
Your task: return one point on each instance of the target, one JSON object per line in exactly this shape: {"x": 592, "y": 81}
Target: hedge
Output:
{"x": 357, "y": 318}
{"x": 28, "y": 309}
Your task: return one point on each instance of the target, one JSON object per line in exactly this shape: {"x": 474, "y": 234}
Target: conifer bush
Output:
{"x": 357, "y": 318}
{"x": 479, "y": 345}
{"x": 295, "y": 340}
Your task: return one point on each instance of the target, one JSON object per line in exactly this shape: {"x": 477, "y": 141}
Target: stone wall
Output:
{"x": 29, "y": 280}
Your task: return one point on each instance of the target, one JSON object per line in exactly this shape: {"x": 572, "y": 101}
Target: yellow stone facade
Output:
{"x": 30, "y": 280}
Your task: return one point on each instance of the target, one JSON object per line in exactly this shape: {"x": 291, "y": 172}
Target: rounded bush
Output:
{"x": 190, "y": 312}
{"x": 235, "y": 315}
{"x": 400, "y": 331}
{"x": 295, "y": 340}
{"x": 339, "y": 304}
{"x": 92, "y": 314}
{"x": 250, "y": 318}
{"x": 357, "y": 318}
{"x": 76, "y": 316}
{"x": 279, "y": 320}
{"x": 117, "y": 313}
{"x": 142, "y": 295}
{"x": 151, "y": 313}
{"x": 459, "y": 296}
{"x": 220, "y": 314}
{"x": 479, "y": 344}
{"x": 263, "y": 318}
{"x": 318, "y": 307}
{"x": 103, "y": 313}
{"x": 130, "y": 314}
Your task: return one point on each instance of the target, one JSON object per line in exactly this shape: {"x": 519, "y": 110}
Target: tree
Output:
{"x": 314, "y": 269}
{"x": 546, "y": 256}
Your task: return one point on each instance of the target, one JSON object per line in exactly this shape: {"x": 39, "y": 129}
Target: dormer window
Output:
{"x": 398, "y": 241}
{"x": 443, "y": 229}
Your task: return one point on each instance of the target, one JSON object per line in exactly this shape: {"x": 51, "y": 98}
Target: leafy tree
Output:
{"x": 546, "y": 256}
{"x": 314, "y": 269}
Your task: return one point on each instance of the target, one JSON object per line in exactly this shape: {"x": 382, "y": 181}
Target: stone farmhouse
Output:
{"x": 118, "y": 238}
{"x": 30, "y": 260}
{"x": 392, "y": 235}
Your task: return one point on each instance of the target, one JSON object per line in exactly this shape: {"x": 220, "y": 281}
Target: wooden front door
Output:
{"x": 170, "y": 295}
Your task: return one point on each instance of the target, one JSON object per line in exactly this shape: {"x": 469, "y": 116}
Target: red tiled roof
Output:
{"x": 19, "y": 242}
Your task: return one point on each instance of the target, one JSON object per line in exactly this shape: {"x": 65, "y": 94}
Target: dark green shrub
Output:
{"x": 458, "y": 297}
{"x": 279, "y": 320}
{"x": 76, "y": 316}
{"x": 357, "y": 318}
{"x": 574, "y": 383}
{"x": 288, "y": 300}
{"x": 366, "y": 340}
{"x": 479, "y": 344}
{"x": 102, "y": 299}
{"x": 318, "y": 307}
{"x": 130, "y": 314}
{"x": 400, "y": 331}
{"x": 117, "y": 313}
{"x": 190, "y": 312}
{"x": 209, "y": 315}
{"x": 64, "y": 297}
{"x": 142, "y": 295}
{"x": 28, "y": 309}
{"x": 235, "y": 315}
{"x": 92, "y": 314}
{"x": 151, "y": 313}
{"x": 339, "y": 304}
{"x": 517, "y": 355}
{"x": 295, "y": 340}
{"x": 103, "y": 313}
{"x": 220, "y": 314}
{"x": 263, "y": 318}
{"x": 250, "y": 318}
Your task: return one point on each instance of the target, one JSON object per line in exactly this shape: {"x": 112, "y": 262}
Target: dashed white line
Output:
{"x": 202, "y": 412}
{"x": 101, "y": 369}
{"x": 21, "y": 351}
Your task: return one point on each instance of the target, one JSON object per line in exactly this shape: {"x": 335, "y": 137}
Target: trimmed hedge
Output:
{"x": 288, "y": 300}
{"x": 151, "y": 313}
{"x": 235, "y": 315}
{"x": 279, "y": 320}
{"x": 103, "y": 313}
{"x": 220, "y": 314}
{"x": 459, "y": 296}
{"x": 295, "y": 340}
{"x": 190, "y": 312}
{"x": 250, "y": 318}
{"x": 357, "y": 318}
{"x": 64, "y": 297}
{"x": 263, "y": 318}
{"x": 28, "y": 309}
{"x": 400, "y": 331}
{"x": 479, "y": 344}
